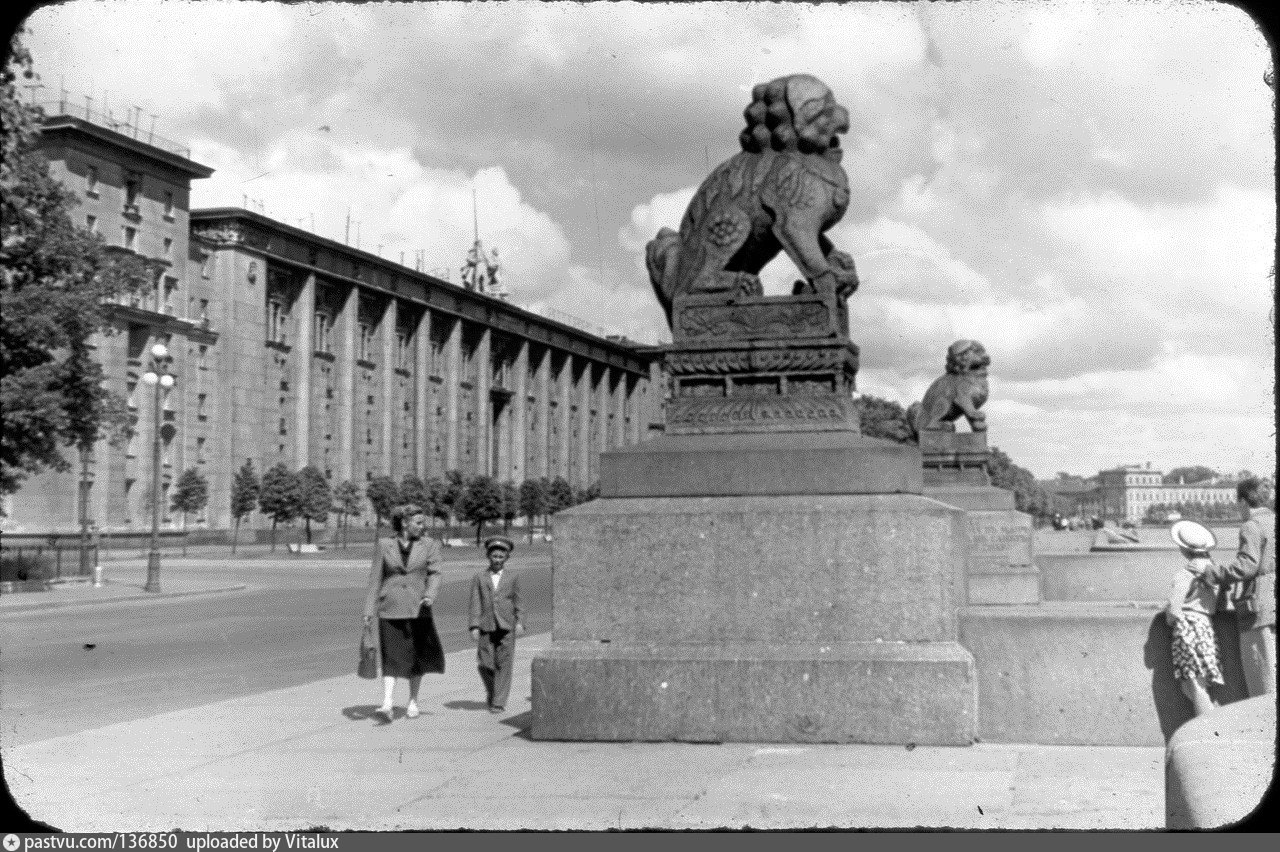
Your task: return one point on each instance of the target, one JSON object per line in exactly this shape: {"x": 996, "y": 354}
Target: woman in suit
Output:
{"x": 403, "y": 583}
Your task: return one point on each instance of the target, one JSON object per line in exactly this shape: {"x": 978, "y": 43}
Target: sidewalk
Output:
{"x": 81, "y": 592}
{"x": 316, "y": 756}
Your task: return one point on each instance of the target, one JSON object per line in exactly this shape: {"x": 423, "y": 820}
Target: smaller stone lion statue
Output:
{"x": 960, "y": 393}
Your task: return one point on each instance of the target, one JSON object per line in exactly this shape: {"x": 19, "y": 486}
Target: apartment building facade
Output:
{"x": 287, "y": 347}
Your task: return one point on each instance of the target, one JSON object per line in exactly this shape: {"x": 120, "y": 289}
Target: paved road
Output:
{"x": 63, "y": 671}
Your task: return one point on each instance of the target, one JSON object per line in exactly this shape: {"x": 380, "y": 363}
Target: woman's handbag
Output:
{"x": 368, "y": 667}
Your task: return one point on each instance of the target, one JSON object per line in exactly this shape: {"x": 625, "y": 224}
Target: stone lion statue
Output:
{"x": 782, "y": 192}
{"x": 960, "y": 393}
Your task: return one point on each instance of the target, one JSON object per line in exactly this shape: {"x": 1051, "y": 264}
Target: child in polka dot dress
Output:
{"x": 1196, "y": 663}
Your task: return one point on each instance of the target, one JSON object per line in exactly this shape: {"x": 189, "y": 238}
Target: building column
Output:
{"x": 452, "y": 377}
{"x": 390, "y": 317}
{"x": 583, "y": 449}
{"x": 633, "y": 409}
{"x": 305, "y": 311}
{"x": 421, "y": 412}
{"x": 602, "y": 400}
{"x": 542, "y": 437}
{"x": 345, "y": 368}
{"x": 484, "y": 408}
{"x": 565, "y": 380}
{"x": 519, "y": 420}
{"x": 618, "y": 435}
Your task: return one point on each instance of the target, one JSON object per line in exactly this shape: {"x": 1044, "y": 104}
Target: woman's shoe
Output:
{"x": 386, "y": 710}
{"x": 412, "y": 711}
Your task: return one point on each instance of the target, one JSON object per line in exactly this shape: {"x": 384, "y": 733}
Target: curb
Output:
{"x": 145, "y": 596}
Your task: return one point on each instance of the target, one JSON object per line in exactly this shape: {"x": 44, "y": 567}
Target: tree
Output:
{"x": 1189, "y": 475}
{"x": 436, "y": 489}
{"x": 383, "y": 497}
{"x": 280, "y": 498}
{"x": 510, "y": 505}
{"x": 190, "y": 494}
{"x": 481, "y": 502}
{"x": 346, "y": 499}
{"x": 1028, "y": 495}
{"x": 245, "y": 488}
{"x": 414, "y": 490}
{"x": 883, "y": 418}
{"x": 314, "y": 497}
{"x": 559, "y": 495}
{"x": 57, "y": 280}
{"x": 455, "y": 485}
{"x": 533, "y": 501}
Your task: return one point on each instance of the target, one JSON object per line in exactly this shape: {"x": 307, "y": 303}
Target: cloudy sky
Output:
{"x": 1087, "y": 188}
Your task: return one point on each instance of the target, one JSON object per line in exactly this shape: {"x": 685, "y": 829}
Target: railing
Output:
{"x": 589, "y": 327}
{"x": 66, "y": 106}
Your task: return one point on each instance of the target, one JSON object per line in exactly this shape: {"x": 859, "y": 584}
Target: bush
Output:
{"x": 21, "y": 567}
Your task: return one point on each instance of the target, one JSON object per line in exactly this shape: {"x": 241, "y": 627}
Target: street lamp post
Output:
{"x": 158, "y": 377}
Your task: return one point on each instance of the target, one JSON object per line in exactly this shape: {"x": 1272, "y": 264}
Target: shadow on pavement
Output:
{"x": 522, "y": 722}
{"x": 466, "y": 705}
{"x": 362, "y": 712}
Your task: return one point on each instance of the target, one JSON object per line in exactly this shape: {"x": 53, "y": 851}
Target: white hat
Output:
{"x": 1192, "y": 536}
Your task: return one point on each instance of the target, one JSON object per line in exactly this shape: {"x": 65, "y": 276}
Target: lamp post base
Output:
{"x": 153, "y": 572}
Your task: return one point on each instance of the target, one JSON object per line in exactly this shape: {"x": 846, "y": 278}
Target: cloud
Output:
{"x": 1086, "y": 187}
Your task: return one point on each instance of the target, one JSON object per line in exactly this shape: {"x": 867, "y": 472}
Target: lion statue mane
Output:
{"x": 961, "y": 392}
{"x": 782, "y": 192}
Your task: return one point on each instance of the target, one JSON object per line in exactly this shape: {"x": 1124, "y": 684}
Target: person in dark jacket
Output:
{"x": 1255, "y": 567}
{"x": 496, "y": 618}
{"x": 403, "y": 583}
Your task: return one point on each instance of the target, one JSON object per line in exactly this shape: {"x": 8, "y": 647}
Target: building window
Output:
{"x": 91, "y": 182}
{"x": 91, "y": 224}
{"x": 166, "y": 451}
{"x": 168, "y": 206}
{"x": 206, "y": 263}
{"x": 130, "y": 238}
{"x": 323, "y": 332}
{"x": 201, "y": 413}
{"x": 200, "y": 451}
{"x": 366, "y": 342}
{"x": 204, "y": 311}
{"x": 168, "y": 247}
{"x": 284, "y": 429}
{"x": 277, "y": 320}
{"x": 132, "y": 187}
{"x": 170, "y": 287}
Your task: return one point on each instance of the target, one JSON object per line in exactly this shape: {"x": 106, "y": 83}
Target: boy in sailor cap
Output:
{"x": 496, "y": 610}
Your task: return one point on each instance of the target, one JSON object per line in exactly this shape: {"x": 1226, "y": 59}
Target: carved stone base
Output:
{"x": 954, "y": 457}
{"x": 761, "y": 364}
{"x": 780, "y": 413}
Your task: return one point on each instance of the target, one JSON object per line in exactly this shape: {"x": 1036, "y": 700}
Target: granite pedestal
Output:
{"x": 1001, "y": 550}
{"x": 744, "y": 613}
{"x": 1001, "y": 558}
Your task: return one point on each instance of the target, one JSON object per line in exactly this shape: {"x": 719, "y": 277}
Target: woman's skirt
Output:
{"x": 1195, "y": 649}
{"x": 410, "y": 646}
